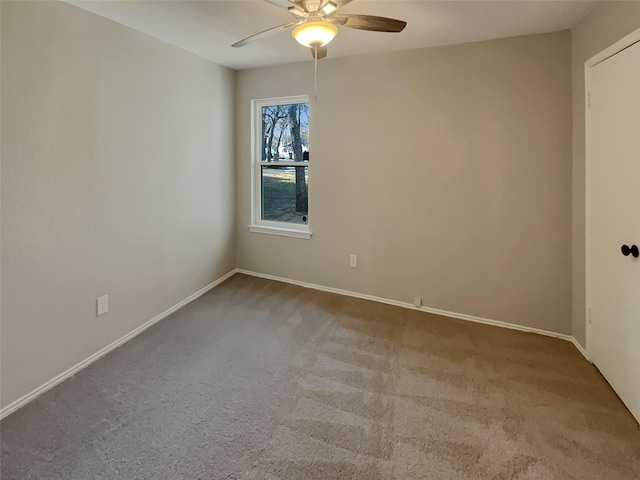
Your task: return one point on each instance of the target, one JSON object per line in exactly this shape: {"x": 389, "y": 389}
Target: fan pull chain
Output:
{"x": 315, "y": 74}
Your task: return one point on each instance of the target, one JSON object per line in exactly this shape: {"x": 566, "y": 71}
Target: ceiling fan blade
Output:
{"x": 322, "y": 52}
{"x": 264, "y": 34}
{"x": 370, "y": 22}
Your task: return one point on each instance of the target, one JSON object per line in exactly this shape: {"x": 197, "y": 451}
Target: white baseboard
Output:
{"x": 436, "y": 311}
{"x": 581, "y": 349}
{"x": 12, "y": 407}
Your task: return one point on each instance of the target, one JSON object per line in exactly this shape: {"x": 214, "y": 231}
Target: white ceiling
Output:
{"x": 208, "y": 28}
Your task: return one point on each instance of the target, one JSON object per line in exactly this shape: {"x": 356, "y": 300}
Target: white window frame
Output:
{"x": 258, "y": 225}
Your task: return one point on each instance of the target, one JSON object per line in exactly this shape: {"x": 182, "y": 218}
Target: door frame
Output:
{"x": 623, "y": 43}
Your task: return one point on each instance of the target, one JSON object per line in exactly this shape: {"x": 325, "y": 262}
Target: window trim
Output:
{"x": 257, "y": 224}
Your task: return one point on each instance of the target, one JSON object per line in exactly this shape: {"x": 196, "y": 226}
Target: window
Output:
{"x": 280, "y": 173}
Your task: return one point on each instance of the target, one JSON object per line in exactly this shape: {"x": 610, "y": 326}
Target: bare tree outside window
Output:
{"x": 284, "y": 163}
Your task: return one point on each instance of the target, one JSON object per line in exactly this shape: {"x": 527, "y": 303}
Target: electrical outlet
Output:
{"x": 102, "y": 305}
{"x": 417, "y": 302}
{"x": 353, "y": 260}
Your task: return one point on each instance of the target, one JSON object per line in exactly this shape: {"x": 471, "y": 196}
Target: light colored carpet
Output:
{"x": 264, "y": 380}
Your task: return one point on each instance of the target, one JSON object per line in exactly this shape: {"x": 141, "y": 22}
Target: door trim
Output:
{"x": 622, "y": 44}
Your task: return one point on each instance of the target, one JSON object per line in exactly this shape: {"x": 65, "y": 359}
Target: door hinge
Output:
{"x": 589, "y": 314}
{"x": 589, "y": 99}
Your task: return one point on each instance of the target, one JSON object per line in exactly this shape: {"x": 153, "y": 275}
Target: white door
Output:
{"x": 613, "y": 222}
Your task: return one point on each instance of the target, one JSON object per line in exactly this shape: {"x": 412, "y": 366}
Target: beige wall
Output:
{"x": 607, "y": 24}
{"x": 447, "y": 170}
{"x": 117, "y": 178}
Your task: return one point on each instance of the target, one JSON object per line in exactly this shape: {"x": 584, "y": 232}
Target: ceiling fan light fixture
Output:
{"x": 314, "y": 33}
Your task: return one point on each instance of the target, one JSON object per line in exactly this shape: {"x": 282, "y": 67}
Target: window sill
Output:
{"x": 283, "y": 232}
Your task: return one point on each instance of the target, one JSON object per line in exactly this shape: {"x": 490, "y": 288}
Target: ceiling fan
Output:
{"x": 317, "y": 23}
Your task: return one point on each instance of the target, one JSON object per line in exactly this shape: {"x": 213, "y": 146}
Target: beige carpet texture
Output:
{"x": 259, "y": 379}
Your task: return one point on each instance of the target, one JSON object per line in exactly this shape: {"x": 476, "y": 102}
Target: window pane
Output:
{"x": 285, "y": 133}
{"x": 285, "y": 194}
